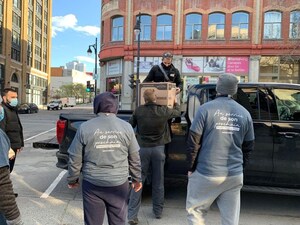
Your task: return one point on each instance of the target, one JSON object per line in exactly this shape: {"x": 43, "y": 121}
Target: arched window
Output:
{"x": 164, "y": 27}
{"x": 145, "y": 28}
{"x": 240, "y": 25}
{"x": 193, "y": 26}
{"x": 14, "y": 78}
{"x": 295, "y": 24}
{"x": 272, "y": 25}
{"x": 216, "y": 26}
{"x": 117, "y": 29}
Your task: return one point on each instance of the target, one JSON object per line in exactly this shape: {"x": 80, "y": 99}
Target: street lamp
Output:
{"x": 89, "y": 52}
{"x": 137, "y": 31}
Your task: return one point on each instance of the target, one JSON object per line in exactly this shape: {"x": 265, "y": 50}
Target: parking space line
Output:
{"x": 53, "y": 185}
{"x": 39, "y": 134}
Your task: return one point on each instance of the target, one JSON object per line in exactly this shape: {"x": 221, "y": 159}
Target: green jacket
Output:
{"x": 152, "y": 122}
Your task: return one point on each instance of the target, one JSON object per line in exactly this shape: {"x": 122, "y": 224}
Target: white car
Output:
{"x": 55, "y": 104}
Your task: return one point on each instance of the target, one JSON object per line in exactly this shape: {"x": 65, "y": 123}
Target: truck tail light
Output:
{"x": 60, "y": 130}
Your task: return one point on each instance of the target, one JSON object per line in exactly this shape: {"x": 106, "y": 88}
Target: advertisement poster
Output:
{"x": 114, "y": 67}
{"x": 215, "y": 64}
{"x": 192, "y": 64}
{"x": 146, "y": 63}
{"x": 237, "y": 65}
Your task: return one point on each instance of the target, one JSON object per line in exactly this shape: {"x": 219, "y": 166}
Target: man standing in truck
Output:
{"x": 165, "y": 72}
{"x": 220, "y": 140}
{"x": 153, "y": 132}
{"x": 106, "y": 151}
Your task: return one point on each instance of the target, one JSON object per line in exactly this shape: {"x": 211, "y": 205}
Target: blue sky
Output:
{"x": 75, "y": 25}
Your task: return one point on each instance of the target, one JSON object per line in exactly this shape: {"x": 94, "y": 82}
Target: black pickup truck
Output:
{"x": 275, "y": 108}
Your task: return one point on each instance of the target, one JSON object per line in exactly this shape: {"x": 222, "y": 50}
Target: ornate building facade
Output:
{"x": 258, "y": 40}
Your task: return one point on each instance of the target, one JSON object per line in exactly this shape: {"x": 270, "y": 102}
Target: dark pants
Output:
{"x": 154, "y": 157}
{"x": 8, "y": 205}
{"x": 12, "y": 161}
{"x": 97, "y": 199}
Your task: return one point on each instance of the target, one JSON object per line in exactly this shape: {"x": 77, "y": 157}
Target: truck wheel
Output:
{"x": 48, "y": 108}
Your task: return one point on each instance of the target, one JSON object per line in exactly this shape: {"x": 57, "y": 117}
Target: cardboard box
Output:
{"x": 165, "y": 92}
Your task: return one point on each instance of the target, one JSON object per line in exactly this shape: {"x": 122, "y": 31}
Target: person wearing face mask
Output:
{"x": 9, "y": 211}
{"x": 11, "y": 124}
{"x": 165, "y": 72}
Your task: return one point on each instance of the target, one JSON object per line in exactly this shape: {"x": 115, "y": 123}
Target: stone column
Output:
{"x": 254, "y": 68}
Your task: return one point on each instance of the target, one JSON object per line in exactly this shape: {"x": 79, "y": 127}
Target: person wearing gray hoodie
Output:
{"x": 106, "y": 151}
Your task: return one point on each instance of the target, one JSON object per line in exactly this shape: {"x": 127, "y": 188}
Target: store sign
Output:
{"x": 237, "y": 65}
{"x": 114, "y": 67}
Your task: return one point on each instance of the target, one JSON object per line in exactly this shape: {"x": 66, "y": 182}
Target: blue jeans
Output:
{"x": 154, "y": 156}
{"x": 2, "y": 219}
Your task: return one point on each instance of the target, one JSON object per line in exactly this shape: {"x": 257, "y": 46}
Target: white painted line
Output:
{"x": 39, "y": 134}
{"x": 53, "y": 185}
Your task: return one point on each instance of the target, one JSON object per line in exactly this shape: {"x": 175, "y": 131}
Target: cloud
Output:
{"x": 62, "y": 23}
{"x": 85, "y": 59}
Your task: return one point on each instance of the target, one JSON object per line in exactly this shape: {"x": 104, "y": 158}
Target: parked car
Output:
{"x": 55, "y": 104}
{"x": 28, "y": 108}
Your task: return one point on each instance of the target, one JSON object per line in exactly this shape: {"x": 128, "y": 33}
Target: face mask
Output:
{"x": 1, "y": 113}
{"x": 13, "y": 102}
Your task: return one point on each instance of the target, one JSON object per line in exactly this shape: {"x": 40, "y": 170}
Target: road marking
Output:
{"x": 53, "y": 185}
{"x": 39, "y": 134}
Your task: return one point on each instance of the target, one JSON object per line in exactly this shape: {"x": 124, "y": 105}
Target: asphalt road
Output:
{"x": 44, "y": 198}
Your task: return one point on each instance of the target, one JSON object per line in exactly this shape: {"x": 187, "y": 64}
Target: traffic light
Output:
{"x": 132, "y": 81}
{"x": 92, "y": 88}
{"x": 88, "y": 86}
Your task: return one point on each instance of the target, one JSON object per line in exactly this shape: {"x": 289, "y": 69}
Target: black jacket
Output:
{"x": 156, "y": 75}
{"x": 152, "y": 123}
{"x": 12, "y": 126}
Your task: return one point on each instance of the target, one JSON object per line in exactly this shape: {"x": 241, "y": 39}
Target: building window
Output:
{"x": 16, "y": 38}
{"x": 38, "y": 36}
{"x": 164, "y": 27}
{"x": 216, "y": 26}
{"x": 145, "y": 34}
{"x": 17, "y": 4}
{"x": 29, "y": 54}
{"x": 240, "y": 25}
{"x": 272, "y": 25}
{"x": 193, "y": 27}
{"x": 38, "y": 22}
{"x": 117, "y": 29}
{"x": 39, "y": 9}
{"x": 16, "y": 20}
{"x": 295, "y": 24}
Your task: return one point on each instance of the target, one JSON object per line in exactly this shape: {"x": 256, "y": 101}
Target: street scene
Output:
{"x": 44, "y": 198}
{"x": 143, "y": 112}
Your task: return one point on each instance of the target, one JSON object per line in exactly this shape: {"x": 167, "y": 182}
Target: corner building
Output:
{"x": 25, "y": 45}
{"x": 258, "y": 40}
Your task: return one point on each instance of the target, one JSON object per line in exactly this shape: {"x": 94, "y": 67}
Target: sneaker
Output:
{"x": 158, "y": 216}
{"x": 133, "y": 221}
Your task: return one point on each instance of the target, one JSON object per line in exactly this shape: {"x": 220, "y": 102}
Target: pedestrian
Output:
{"x": 153, "y": 132}
{"x": 165, "y": 72}
{"x": 219, "y": 143}
{"x": 106, "y": 151}
{"x": 11, "y": 124}
{"x": 8, "y": 206}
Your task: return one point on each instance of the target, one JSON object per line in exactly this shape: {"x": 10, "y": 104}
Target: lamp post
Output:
{"x": 89, "y": 52}
{"x": 137, "y": 31}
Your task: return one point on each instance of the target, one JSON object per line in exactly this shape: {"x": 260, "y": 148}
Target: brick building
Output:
{"x": 256, "y": 39}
